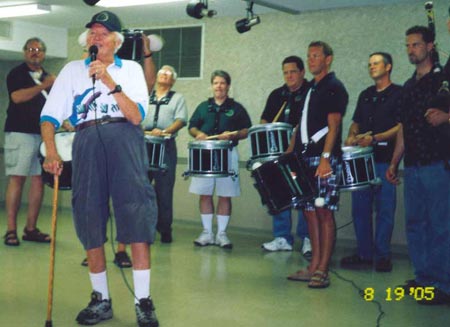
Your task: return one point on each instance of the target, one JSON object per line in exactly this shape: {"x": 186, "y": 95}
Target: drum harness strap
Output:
{"x": 213, "y": 107}
{"x": 164, "y": 100}
{"x": 38, "y": 78}
{"x": 304, "y": 126}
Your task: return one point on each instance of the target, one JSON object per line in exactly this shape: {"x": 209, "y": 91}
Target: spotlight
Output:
{"x": 199, "y": 9}
{"x": 245, "y": 24}
{"x": 91, "y": 2}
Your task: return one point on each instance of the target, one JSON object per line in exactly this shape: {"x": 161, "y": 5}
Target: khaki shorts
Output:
{"x": 21, "y": 154}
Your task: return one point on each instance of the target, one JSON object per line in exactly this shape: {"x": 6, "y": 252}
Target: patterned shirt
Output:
{"x": 74, "y": 96}
{"x": 424, "y": 144}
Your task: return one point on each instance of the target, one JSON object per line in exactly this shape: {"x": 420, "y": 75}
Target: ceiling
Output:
{"x": 75, "y": 13}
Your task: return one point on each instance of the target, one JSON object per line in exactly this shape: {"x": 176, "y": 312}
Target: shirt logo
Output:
{"x": 229, "y": 113}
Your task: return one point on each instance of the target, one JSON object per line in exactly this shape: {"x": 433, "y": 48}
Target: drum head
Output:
{"x": 63, "y": 143}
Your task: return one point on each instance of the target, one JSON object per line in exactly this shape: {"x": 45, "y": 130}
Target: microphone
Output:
{"x": 93, "y": 50}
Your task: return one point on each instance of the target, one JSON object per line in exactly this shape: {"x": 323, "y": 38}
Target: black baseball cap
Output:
{"x": 107, "y": 19}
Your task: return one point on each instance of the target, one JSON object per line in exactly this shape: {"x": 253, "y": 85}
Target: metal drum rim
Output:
{"x": 158, "y": 139}
{"x": 359, "y": 152}
{"x": 270, "y": 127}
{"x": 210, "y": 145}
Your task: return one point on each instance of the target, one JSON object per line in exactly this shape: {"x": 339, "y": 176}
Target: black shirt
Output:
{"x": 378, "y": 112}
{"x": 424, "y": 144}
{"x": 23, "y": 117}
{"x": 328, "y": 96}
{"x": 294, "y": 103}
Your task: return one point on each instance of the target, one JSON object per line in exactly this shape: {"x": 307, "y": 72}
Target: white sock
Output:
{"x": 207, "y": 221}
{"x": 99, "y": 284}
{"x": 222, "y": 223}
{"x": 141, "y": 280}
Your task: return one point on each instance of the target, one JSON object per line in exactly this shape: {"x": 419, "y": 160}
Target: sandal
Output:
{"x": 301, "y": 276}
{"x": 11, "y": 238}
{"x": 319, "y": 279}
{"x": 35, "y": 235}
{"x": 122, "y": 260}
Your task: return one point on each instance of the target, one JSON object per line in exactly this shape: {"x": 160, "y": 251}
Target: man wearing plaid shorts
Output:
{"x": 318, "y": 136}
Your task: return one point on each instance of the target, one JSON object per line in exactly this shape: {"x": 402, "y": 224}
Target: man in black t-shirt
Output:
{"x": 374, "y": 124}
{"x": 285, "y": 104}
{"x": 318, "y": 138}
{"x": 28, "y": 85}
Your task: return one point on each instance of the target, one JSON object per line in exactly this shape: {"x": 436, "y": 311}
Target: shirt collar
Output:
{"x": 117, "y": 61}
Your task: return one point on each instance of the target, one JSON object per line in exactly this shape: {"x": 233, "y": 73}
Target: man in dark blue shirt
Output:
{"x": 374, "y": 124}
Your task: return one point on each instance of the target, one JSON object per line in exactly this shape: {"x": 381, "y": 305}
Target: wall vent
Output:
{"x": 5, "y": 30}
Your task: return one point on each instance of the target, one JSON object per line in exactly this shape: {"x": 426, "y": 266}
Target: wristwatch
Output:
{"x": 116, "y": 89}
{"x": 326, "y": 155}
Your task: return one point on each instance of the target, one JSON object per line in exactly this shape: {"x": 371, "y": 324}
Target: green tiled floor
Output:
{"x": 203, "y": 287}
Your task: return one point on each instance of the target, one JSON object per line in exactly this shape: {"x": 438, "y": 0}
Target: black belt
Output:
{"x": 102, "y": 121}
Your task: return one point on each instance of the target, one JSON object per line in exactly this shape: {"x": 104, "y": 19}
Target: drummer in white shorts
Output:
{"x": 227, "y": 120}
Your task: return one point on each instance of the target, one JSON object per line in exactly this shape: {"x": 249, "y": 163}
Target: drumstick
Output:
{"x": 217, "y": 135}
{"x": 162, "y": 134}
{"x": 279, "y": 112}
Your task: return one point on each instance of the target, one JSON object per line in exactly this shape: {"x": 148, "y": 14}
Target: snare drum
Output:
{"x": 63, "y": 143}
{"x": 132, "y": 45}
{"x": 284, "y": 183}
{"x": 268, "y": 141}
{"x": 156, "y": 147}
{"x": 358, "y": 168}
{"x": 210, "y": 159}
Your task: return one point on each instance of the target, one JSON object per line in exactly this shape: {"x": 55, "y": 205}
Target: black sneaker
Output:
{"x": 145, "y": 313}
{"x": 96, "y": 311}
{"x": 355, "y": 262}
{"x": 383, "y": 265}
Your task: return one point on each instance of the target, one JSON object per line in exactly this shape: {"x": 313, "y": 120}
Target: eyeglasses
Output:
{"x": 35, "y": 50}
{"x": 165, "y": 72}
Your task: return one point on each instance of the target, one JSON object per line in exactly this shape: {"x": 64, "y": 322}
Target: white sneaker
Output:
{"x": 205, "y": 238}
{"x": 306, "y": 248}
{"x": 223, "y": 241}
{"x": 278, "y": 244}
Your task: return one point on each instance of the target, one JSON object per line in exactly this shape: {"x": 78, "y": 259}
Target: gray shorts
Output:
{"x": 21, "y": 154}
{"x": 110, "y": 162}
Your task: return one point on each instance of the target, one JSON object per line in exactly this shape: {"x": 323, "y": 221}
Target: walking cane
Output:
{"x": 48, "y": 322}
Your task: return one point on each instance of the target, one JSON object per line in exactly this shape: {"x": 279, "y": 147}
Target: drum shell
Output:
{"x": 156, "y": 146}
{"x": 284, "y": 183}
{"x": 358, "y": 171}
{"x": 63, "y": 143}
{"x": 268, "y": 141}
{"x": 210, "y": 159}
